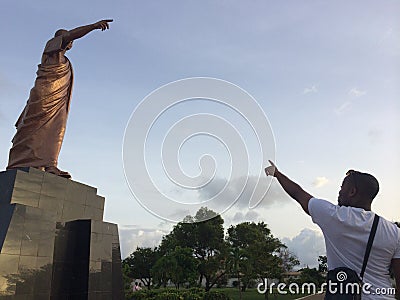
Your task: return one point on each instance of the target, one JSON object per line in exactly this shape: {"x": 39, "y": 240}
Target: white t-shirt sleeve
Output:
{"x": 321, "y": 211}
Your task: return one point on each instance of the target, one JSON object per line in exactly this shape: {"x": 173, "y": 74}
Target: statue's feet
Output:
{"x": 58, "y": 172}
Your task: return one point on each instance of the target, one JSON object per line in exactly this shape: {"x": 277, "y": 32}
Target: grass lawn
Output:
{"x": 249, "y": 294}
{"x": 252, "y": 294}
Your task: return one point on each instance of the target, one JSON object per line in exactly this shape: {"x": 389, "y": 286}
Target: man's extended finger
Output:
{"x": 272, "y": 164}
{"x": 108, "y": 20}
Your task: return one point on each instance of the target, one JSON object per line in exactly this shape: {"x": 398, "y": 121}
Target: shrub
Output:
{"x": 193, "y": 294}
{"x": 169, "y": 295}
{"x": 141, "y": 295}
{"x": 172, "y": 294}
{"x": 216, "y": 295}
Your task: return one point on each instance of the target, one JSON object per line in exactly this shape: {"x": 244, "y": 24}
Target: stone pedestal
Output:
{"x": 53, "y": 241}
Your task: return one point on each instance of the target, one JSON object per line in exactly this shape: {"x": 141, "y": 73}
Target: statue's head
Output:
{"x": 63, "y": 32}
{"x": 60, "y": 32}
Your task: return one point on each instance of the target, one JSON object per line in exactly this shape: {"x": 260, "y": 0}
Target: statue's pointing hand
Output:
{"x": 103, "y": 24}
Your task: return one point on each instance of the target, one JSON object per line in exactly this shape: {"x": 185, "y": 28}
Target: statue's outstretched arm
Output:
{"x": 81, "y": 31}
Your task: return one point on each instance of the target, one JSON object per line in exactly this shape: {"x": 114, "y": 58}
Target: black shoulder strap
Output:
{"x": 369, "y": 245}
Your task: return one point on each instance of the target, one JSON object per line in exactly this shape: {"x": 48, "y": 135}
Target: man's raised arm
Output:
{"x": 81, "y": 31}
{"x": 291, "y": 188}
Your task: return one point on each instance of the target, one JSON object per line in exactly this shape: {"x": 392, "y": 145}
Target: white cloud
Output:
{"x": 240, "y": 216}
{"x": 133, "y": 236}
{"x": 357, "y": 93}
{"x": 307, "y": 246}
{"x": 320, "y": 181}
{"x": 353, "y": 93}
{"x": 255, "y": 191}
{"x": 308, "y": 90}
{"x": 342, "y": 108}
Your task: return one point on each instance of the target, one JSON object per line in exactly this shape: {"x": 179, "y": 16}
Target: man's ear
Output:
{"x": 353, "y": 192}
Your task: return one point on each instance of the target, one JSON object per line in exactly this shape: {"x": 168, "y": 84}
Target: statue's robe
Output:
{"x": 41, "y": 125}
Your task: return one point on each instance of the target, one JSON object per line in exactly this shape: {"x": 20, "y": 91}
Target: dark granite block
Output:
{"x": 53, "y": 241}
{"x": 72, "y": 211}
{"x": 96, "y": 226}
{"x": 96, "y": 252}
{"x": 33, "y": 215}
{"x": 106, "y": 276}
{"x": 106, "y": 248}
{"x": 27, "y": 270}
{"x": 116, "y": 253}
{"x": 95, "y": 201}
{"x": 46, "y": 246}
{"x": 8, "y": 268}
{"x": 94, "y": 267}
{"x": 6, "y": 214}
{"x": 39, "y": 228}
{"x": 7, "y": 179}
{"x": 52, "y": 204}
{"x": 21, "y": 297}
{"x": 117, "y": 282}
{"x": 95, "y": 295}
{"x": 116, "y": 271}
{"x": 41, "y": 296}
{"x": 109, "y": 228}
{"x": 25, "y": 197}
{"x": 60, "y": 283}
{"x": 42, "y": 283}
{"x": 31, "y": 181}
{"x": 98, "y": 214}
{"x": 76, "y": 192}
{"x": 91, "y": 193}
{"x": 54, "y": 186}
{"x": 94, "y": 276}
{"x": 61, "y": 244}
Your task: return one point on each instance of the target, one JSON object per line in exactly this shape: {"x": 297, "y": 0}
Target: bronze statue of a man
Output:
{"x": 41, "y": 125}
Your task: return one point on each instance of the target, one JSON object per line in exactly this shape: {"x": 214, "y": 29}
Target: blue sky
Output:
{"x": 325, "y": 73}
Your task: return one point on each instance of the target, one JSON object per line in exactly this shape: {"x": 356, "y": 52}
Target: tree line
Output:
{"x": 199, "y": 252}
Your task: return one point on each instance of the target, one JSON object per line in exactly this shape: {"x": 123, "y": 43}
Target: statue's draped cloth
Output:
{"x": 41, "y": 125}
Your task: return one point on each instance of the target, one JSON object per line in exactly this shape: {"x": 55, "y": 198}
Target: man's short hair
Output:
{"x": 367, "y": 185}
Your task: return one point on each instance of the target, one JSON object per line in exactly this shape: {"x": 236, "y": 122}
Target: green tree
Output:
{"x": 126, "y": 272}
{"x": 289, "y": 260}
{"x": 178, "y": 265}
{"x": 323, "y": 263}
{"x": 261, "y": 249}
{"x": 311, "y": 276}
{"x": 138, "y": 265}
{"x": 161, "y": 272}
{"x": 204, "y": 234}
{"x": 236, "y": 262}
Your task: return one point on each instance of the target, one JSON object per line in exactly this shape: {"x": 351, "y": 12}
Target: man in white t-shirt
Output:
{"x": 346, "y": 228}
